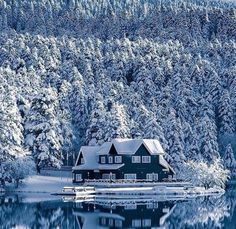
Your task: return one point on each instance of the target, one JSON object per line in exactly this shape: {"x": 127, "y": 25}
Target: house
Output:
{"x": 129, "y": 159}
{"x": 125, "y": 214}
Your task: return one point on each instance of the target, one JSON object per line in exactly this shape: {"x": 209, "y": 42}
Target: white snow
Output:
{"x": 130, "y": 146}
{"x": 44, "y": 184}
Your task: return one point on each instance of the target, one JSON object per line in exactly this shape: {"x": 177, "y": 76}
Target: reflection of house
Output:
{"x": 132, "y": 215}
{"x": 130, "y": 159}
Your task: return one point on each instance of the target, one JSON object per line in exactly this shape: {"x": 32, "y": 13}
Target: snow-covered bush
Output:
{"x": 202, "y": 174}
{"x": 17, "y": 169}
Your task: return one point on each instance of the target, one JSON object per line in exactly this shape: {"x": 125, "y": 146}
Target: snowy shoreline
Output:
{"x": 38, "y": 186}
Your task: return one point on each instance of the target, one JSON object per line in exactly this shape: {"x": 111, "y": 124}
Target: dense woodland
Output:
{"x": 82, "y": 72}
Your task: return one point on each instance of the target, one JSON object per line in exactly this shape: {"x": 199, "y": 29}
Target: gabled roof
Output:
{"x": 89, "y": 154}
{"x": 122, "y": 146}
{"x": 91, "y": 160}
{"x": 130, "y": 146}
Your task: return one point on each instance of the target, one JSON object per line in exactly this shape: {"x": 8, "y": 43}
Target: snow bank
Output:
{"x": 44, "y": 184}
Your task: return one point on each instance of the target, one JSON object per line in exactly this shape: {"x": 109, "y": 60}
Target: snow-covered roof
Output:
{"x": 122, "y": 146}
{"x": 164, "y": 163}
{"x": 130, "y": 146}
{"x": 91, "y": 160}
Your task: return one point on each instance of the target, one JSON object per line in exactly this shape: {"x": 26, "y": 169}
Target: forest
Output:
{"x": 79, "y": 72}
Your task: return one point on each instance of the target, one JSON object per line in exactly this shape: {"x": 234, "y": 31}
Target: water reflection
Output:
{"x": 206, "y": 212}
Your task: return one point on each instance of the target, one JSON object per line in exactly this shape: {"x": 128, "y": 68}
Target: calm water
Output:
{"x": 210, "y": 212}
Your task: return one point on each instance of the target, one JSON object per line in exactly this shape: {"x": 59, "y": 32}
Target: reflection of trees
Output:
{"x": 36, "y": 215}
{"x": 204, "y": 212}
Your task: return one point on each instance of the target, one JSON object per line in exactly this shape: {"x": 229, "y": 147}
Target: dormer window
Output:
{"x": 82, "y": 160}
{"x": 110, "y": 160}
{"x": 103, "y": 160}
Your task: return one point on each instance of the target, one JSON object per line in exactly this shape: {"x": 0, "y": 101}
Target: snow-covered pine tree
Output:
{"x": 11, "y": 136}
{"x": 174, "y": 136}
{"x": 43, "y": 131}
{"x": 226, "y": 117}
{"x": 229, "y": 160}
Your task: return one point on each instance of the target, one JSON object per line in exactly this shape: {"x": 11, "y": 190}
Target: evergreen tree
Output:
{"x": 229, "y": 160}
{"x": 42, "y": 130}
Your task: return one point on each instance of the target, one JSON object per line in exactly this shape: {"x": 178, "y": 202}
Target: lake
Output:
{"x": 19, "y": 212}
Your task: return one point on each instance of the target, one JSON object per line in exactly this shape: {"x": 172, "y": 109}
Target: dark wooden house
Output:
{"x": 123, "y": 159}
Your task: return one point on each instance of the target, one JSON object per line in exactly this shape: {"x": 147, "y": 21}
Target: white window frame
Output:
{"x": 136, "y": 223}
{"x": 146, "y": 159}
{"x": 136, "y": 159}
{"x": 105, "y": 176}
{"x": 130, "y": 176}
{"x": 152, "y": 176}
{"x": 118, "y": 159}
{"x": 108, "y": 176}
{"x": 78, "y": 176}
{"x": 146, "y": 222}
{"x": 111, "y": 222}
{"x": 103, "y": 160}
{"x": 103, "y": 221}
{"x": 110, "y": 159}
{"x": 82, "y": 160}
{"x": 155, "y": 177}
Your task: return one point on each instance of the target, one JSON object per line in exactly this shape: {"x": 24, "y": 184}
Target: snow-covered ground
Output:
{"x": 44, "y": 184}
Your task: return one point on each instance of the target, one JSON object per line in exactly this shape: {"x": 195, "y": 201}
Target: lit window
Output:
{"x": 118, "y": 159}
{"x": 110, "y": 160}
{"x": 136, "y": 159}
{"x": 146, "y": 159}
{"x": 103, "y": 160}
{"x": 130, "y": 176}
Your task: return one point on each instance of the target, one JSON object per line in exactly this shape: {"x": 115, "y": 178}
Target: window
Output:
{"x": 146, "y": 159}
{"x": 82, "y": 160}
{"x": 136, "y": 159}
{"x": 103, "y": 221}
{"x": 146, "y": 223}
{"x": 111, "y": 222}
{"x": 109, "y": 176}
{"x": 149, "y": 176}
{"x": 118, "y": 159}
{"x": 106, "y": 176}
{"x": 118, "y": 223}
{"x": 130, "y": 206}
{"x": 152, "y": 176}
{"x": 78, "y": 177}
{"x": 130, "y": 176}
{"x": 155, "y": 177}
{"x": 136, "y": 223}
{"x": 110, "y": 159}
{"x": 103, "y": 160}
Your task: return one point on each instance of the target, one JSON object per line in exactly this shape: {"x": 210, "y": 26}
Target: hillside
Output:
{"x": 83, "y": 72}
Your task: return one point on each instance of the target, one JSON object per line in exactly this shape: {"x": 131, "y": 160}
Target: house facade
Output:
{"x": 122, "y": 159}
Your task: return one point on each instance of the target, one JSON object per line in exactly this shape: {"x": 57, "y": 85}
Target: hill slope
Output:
{"x": 79, "y": 72}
